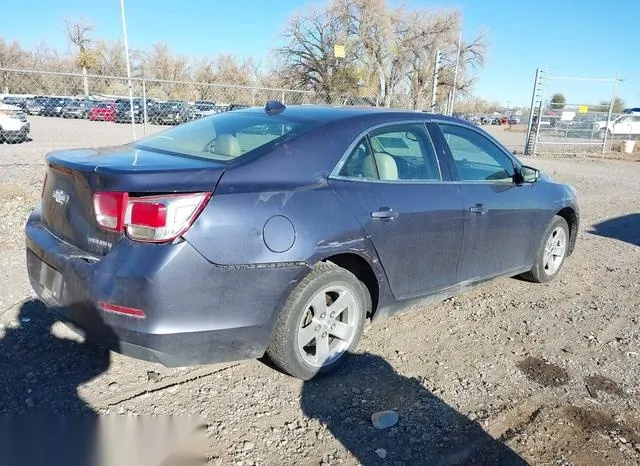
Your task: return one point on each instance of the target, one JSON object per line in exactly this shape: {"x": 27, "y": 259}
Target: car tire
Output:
{"x": 307, "y": 316}
{"x": 551, "y": 253}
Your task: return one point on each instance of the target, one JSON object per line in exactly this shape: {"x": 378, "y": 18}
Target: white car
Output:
{"x": 624, "y": 125}
{"x": 14, "y": 126}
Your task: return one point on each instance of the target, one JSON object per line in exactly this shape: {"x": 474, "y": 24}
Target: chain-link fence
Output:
{"x": 150, "y": 101}
{"x": 142, "y": 102}
{"x": 556, "y": 126}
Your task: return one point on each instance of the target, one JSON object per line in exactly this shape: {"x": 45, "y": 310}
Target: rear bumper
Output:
{"x": 195, "y": 312}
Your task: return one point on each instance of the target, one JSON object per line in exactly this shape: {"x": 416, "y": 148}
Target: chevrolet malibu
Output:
{"x": 281, "y": 230}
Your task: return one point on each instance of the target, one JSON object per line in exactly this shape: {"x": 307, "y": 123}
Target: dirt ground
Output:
{"x": 509, "y": 373}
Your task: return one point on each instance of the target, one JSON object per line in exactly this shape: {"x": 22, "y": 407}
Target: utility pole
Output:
{"x": 455, "y": 74}
{"x": 126, "y": 53}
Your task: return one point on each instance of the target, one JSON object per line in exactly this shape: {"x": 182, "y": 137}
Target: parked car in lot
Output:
{"x": 232, "y": 107}
{"x": 172, "y": 112}
{"x": 53, "y": 106}
{"x": 33, "y": 107}
{"x": 14, "y": 126}
{"x": 123, "y": 110}
{"x": 17, "y": 101}
{"x": 202, "y": 110}
{"x": 252, "y": 232}
{"x": 627, "y": 124}
{"x": 78, "y": 109}
{"x": 103, "y": 111}
{"x": 582, "y": 126}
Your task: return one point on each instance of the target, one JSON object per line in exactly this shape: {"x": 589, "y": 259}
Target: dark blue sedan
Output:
{"x": 281, "y": 230}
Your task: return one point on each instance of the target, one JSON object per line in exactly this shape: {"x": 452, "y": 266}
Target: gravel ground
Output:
{"x": 509, "y": 372}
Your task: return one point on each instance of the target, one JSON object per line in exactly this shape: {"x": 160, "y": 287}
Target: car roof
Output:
{"x": 329, "y": 113}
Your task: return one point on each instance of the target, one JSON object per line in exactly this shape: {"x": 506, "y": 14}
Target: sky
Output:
{"x": 568, "y": 38}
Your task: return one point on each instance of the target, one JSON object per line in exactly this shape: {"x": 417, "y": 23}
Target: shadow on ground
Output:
{"x": 39, "y": 372}
{"x": 625, "y": 228}
{"x": 428, "y": 430}
{"x": 40, "y": 410}
{"x": 44, "y": 421}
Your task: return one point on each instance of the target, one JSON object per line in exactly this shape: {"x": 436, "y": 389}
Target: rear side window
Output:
{"x": 359, "y": 164}
{"x": 394, "y": 153}
{"x": 225, "y": 136}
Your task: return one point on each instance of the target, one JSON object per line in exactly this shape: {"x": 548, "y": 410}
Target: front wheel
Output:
{"x": 552, "y": 252}
{"x": 321, "y": 322}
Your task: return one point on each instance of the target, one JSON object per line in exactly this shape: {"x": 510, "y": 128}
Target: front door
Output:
{"x": 502, "y": 218}
{"x": 393, "y": 184}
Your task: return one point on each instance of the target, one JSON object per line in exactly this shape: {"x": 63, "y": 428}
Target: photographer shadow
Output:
{"x": 624, "y": 228}
{"x": 44, "y": 420}
{"x": 428, "y": 431}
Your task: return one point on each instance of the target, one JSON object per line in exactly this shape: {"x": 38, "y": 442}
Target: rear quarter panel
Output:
{"x": 290, "y": 182}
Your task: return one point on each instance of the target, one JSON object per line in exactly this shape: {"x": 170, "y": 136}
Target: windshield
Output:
{"x": 225, "y": 136}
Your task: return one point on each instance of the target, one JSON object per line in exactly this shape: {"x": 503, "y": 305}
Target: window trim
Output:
{"x": 364, "y": 134}
{"x": 451, "y": 161}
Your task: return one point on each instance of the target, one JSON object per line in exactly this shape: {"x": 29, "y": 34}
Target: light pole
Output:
{"x": 455, "y": 74}
{"x": 126, "y": 54}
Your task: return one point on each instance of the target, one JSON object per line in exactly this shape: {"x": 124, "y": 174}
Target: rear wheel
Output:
{"x": 552, "y": 252}
{"x": 321, "y": 323}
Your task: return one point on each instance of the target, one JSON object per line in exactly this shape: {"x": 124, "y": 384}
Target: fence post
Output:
{"x": 531, "y": 113}
{"x": 434, "y": 91}
{"x": 144, "y": 106}
{"x": 606, "y": 129}
{"x": 85, "y": 81}
{"x": 282, "y": 100}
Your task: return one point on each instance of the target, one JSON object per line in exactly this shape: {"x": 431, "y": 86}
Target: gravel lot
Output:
{"x": 509, "y": 372}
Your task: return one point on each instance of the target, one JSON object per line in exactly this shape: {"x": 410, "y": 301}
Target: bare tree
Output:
{"x": 391, "y": 49}
{"x": 308, "y": 55}
{"x": 163, "y": 65}
{"x": 78, "y": 34}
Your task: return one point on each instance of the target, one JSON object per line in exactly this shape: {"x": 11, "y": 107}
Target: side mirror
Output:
{"x": 529, "y": 174}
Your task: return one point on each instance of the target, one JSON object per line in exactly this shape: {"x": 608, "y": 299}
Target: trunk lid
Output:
{"x": 73, "y": 176}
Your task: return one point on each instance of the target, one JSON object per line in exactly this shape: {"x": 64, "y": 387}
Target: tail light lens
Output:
{"x": 110, "y": 208}
{"x": 155, "y": 219}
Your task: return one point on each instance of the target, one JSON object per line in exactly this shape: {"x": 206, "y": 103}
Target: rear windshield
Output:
{"x": 226, "y": 136}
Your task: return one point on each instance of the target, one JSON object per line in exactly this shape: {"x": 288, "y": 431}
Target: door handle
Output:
{"x": 384, "y": 213}
{"x": 478, "y": 209}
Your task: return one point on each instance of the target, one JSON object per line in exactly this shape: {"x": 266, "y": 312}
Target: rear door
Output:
{"x": 393, "y": 183}
{"x": 502, "y": 218}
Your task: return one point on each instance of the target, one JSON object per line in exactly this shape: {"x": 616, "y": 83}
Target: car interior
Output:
{"x": 396, "y": 155}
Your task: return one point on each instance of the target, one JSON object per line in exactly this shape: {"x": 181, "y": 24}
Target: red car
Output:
{"x": 103, "y": 111}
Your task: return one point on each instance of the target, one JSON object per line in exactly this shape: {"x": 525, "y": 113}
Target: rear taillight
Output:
{"x": 110, "y": 208}
{"x": 156, "y": 219}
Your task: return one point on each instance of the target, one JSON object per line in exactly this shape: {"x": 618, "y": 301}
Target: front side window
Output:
{"x": 476, "y": 157}
{"x": 394, "y": 153}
